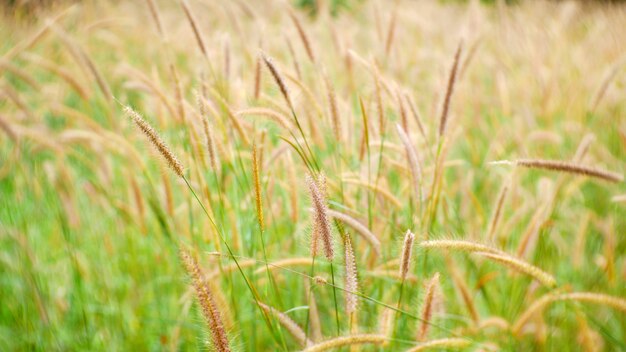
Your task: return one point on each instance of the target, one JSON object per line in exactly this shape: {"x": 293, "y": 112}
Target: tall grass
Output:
{"x": 240, "y": 176}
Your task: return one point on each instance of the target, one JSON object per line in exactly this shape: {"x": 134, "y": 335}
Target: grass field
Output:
{"x": 267, "y": 176}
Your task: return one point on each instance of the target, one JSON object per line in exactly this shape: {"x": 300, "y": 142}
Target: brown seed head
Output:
{"x": 156, "y": 141}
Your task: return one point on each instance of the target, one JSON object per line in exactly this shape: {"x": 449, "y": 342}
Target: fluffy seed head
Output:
{"x": 407, "y": 249}
{"x": 428, "y": 306}
{"x": 279, "y": 79}
{"x": 562, "y": 166}
{"x": 257, "y": 187}
{"x": 207, "y": 303}
{"x": 522, "y": 266}
{"x": 351, "y": 283}
{"x": 156, "y": 141}
{"x": 443, "y": 121}
{"x": 321, "y": 225}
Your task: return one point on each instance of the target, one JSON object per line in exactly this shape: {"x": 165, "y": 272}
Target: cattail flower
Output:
{"x": 195, "y": 28}
{"x": 351, "y": 283}
{"x": 334, "y": 113}
{"x": 207, "y": 303}
{"x": 156, "y": 141}
{"x": 414, "y": 162}
{"x": 447, "y": 343}
{"x": 521, "y": 266}
{"x": 291, "y": 326}
{"x": 346, "y": 341}
{"x": 279, "y": 79}
{"x": 303, "y": 37}
{"x": 428, "y": 306}
{"x": 443, "y": 121}
{"x": 322, "y": 229}
{"x": 358, "y": 227}
{"x": 407, "y": 249}
{"x": 562, "y": 166}
{"x": 257, "y": 187}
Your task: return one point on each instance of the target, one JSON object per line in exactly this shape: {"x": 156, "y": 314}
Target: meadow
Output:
{"x": 316, "y": 175}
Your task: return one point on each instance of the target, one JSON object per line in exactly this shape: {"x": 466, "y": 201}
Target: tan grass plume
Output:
{"x": 447, "y": 343}
{"x": 347, "y": 341}
{"x": 351, "y": 282}
{"x": 302, "y": 34}
{"x": 443, "y": 120}
{"x": 428, "y": 306}
{"x": 291, "y": 326}
{"x": 321, "y": 227}
{"x": 407, "y": 250}
{"x": 589, "y": 297}
{"x": 278, "y": 78}
{"x": 156, "y": 141}
{"x": 563, "y": 166}
{"x": 207, "y": 303}
{"x": 519, "y": 265}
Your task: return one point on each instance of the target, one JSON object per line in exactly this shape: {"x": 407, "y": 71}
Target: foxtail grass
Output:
{"x": 156, "y": 141}
{"x": 589, "y": 297}
{"x": 563, "y": 166}
{"x": 291, "y": 326}
{"x": 446, "y": 343}
{"x": 443, "y": 119}
{"x": 303, "y": 36}
{"x": 351, "y": 281}
{"x": 519, "y": 265}
{"x": 346, "y": 341}
{"x": 428, "y": 306}
{"x": 206, "y": 299}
